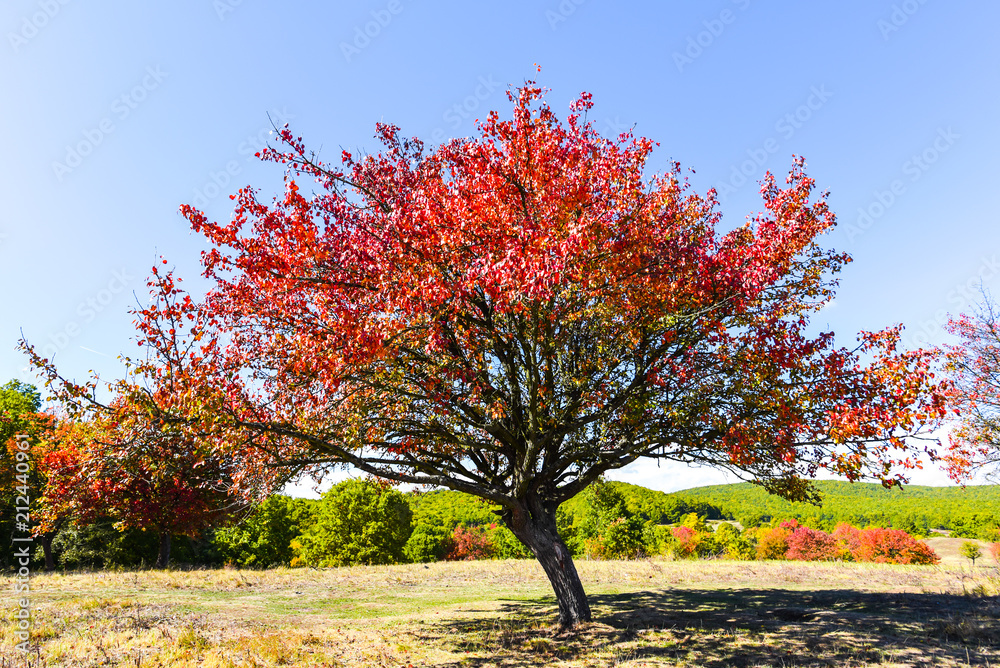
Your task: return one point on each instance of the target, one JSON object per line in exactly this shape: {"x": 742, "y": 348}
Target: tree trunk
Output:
{"x": 164, "y": 557}
{"x": 50, "y": 563}
{"x": 536, "y": 528}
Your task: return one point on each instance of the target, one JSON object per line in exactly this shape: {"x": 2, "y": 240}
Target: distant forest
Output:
{"x": 972, "y": 512}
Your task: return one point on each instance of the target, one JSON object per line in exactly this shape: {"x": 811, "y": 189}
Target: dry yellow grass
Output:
{"x": 948, "y": 550}
{"x": 501, "y": 613}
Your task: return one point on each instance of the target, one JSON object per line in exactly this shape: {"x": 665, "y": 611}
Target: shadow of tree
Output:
{"x": 737, "y": 627}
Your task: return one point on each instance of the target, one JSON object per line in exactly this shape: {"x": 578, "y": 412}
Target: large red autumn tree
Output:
{"x": 513, "y": 314}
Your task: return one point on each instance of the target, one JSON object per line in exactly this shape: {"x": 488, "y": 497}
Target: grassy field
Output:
{"x": 501, "y": 613}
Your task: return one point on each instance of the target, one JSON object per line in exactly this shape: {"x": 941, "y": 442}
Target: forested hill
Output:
{"x": 861, "y": 504}
{"x": 971, "y": 512}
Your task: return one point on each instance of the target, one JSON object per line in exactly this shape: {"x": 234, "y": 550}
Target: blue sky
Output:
{"x": 115, "y": 113}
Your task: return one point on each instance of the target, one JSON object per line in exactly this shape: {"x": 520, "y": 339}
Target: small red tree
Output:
{"x": 151, "y": 481}
{"x": 513, "y": 314}
{"x": 133, "y": 459}
{"x": 848, "y": 540}
{"x": 22, "y": 470}
{"x": 805, "y": 544}
{"x": 892, "y": 546}
{"x": 468, "y": 544}
{"x": 975, "y": 368}
{"x": 687, "y": 541}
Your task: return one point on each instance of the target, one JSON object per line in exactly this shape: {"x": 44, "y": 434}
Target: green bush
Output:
{"x": 264, "y": 538}
{"x": 426, "y": 543}
{"x": 101, "y": 545}
{"x": 624, "y": 538}
{"x": 608, "y": 529}
{"x": 734, "y": 544}
{"x": 569, "y": 533}
{"x": 659, "y": 540}
{"x": 357, "y": 522}
{"x": 506, "y": 545}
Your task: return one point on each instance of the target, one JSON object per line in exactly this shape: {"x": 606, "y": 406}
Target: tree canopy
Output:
{"x": 358, "y": 522}
{"x": 512, "y": 314}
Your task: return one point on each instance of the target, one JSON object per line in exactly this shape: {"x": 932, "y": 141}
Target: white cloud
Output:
{"x": 666, "y": 476}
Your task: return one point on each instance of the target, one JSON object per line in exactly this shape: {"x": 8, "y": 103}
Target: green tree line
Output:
{"x": 361, "y": 521}
{"x": 969, "y": 512}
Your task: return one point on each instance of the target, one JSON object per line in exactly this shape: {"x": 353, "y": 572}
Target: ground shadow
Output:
{"x": 739, "y": 627}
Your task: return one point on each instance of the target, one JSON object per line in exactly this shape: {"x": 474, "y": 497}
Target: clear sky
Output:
{"x": 115, "y": 113}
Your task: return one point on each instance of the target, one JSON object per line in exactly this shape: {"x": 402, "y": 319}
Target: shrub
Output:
{"x": 848, "y": 540}
{"x": 693, "y": 538}
{"x": 593, "y": 548}
{"x": 426, "y": 543}
{"x": 725, "y": 538}
{"x": 687, "y": 543}
{"x": 995, "y": 552}
{"x": 264, "y": 538}
{"x": 733, "y": 544}
{"x": 357, "y": 522}
{"x": 609, "y": 530}
{"x": 100, "y": 545}
{"x": 892, "y": 546}
{"x": 694, "y": 521}
{"x": 624, "y": 538}
{"x": 604, "y": 504}
{"x": 773, "y": 543}
{"x": 660, "y": 540}
{"x": 468, "y": 544}
{"x": 753, "y": 519}
{"x": 805, "y": 544}
{"x": 990, "y": 533}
